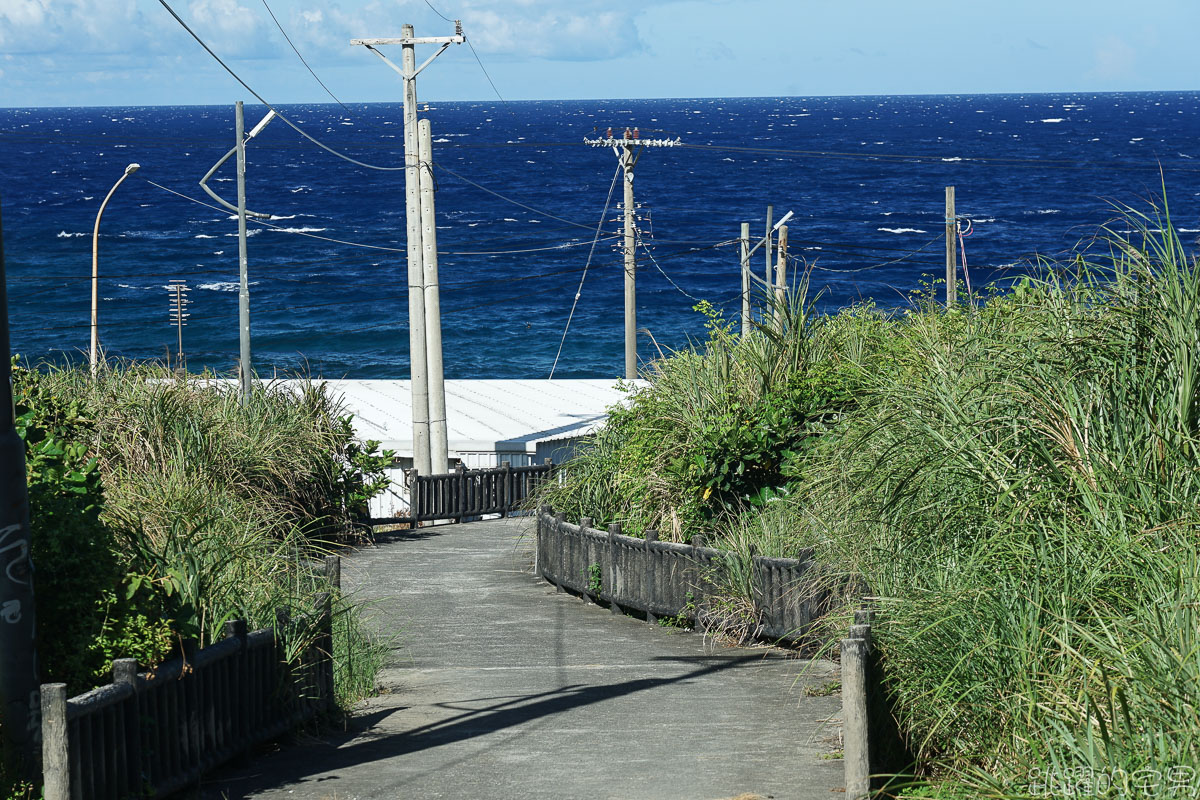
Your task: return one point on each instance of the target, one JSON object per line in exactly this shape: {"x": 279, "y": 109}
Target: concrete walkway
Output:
{"x": 500, "y": 688}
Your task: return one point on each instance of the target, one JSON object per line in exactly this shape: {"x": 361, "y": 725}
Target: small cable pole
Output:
{"x": 245, "y": 364}
{"x": 627, "y": 149}
{"x": 951, "y": 250}
{"x": 745, "y": 254}
{"x": 177, "y": 296}
{"x": 781, "y": 279}
{"x": 770, "y": 247}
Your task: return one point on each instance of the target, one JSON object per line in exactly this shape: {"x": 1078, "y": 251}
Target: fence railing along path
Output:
{"x": 153, "y": 733}
{"x": 473, "y": 493}
{"x": 667, "y": 579}
{"x": 678, "y": 580}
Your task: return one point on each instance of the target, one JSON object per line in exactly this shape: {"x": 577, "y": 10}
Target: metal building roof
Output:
{"x": 483, "y": 415}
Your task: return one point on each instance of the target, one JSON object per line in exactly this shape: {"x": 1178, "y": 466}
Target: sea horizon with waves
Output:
{"x": 523, "y": 206}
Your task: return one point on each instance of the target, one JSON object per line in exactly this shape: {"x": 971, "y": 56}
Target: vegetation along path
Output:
{"x": 497, "y": 687}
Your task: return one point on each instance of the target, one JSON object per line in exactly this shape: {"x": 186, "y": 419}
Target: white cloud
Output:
{"x": 586, "y": 30}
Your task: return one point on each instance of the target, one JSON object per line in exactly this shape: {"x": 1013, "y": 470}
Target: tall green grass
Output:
{"x": 1016, "y": 480}
{"x": 210, "y": 510}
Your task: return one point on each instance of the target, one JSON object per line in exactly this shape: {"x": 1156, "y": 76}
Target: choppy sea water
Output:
{"x": 519, "y": 199}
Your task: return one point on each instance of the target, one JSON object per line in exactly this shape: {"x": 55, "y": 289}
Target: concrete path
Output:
{"x": 500, "y": 688}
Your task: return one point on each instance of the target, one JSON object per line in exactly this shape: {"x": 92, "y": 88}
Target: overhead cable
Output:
{"x": 262, "y": 100}
{"x": 583, "y": 277}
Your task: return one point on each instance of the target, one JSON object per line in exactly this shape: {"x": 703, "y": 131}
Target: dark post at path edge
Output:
{"x": 19, "y": 700}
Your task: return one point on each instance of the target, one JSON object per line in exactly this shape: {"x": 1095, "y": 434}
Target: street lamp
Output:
{"x": 93, "y": 351}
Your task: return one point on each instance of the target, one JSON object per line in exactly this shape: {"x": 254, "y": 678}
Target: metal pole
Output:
{"x": 770, "y": 250}
{"x": 951, "y": 252}
{"x": 245, "y": 365}
{"x": 439, "y": 446}
{"x": 179, "y": 320}
{"x": 745, "y": 240}
{"x": 781, "y": 278}
{"x": 630, "y": 269}
{"x": 418, "y": 358}
{"x": 20, "y": 696}
{"x": 94, "y": 347}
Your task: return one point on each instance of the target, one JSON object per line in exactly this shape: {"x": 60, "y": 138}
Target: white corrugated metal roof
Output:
{"x": 482, "y": 415}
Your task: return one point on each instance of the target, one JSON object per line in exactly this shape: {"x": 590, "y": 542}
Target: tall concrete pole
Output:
{"x": 781, "y": 284}
{"x": 951, "y": 251}
{"x": 422, "y": 459}
{"x": 745, "y": 243}
{"x": 439, "y": 446}
{"x": 769, "y": 249}
{"x": 245, "y": 366}
{"x": 630, "y": 266}
{"x": 19, "y": 695}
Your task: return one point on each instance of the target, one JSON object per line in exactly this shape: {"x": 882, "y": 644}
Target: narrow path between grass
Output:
{"x": 497, "y": 688}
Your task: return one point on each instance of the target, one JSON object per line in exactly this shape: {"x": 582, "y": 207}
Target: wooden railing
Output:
{"x": 472, "y": 493}
{"x": 665, "y": 579}
{"x": 150, "y": 734}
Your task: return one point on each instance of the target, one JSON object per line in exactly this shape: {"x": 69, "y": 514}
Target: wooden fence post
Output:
{"x": 461, "y": 489}
{"x": 559, "y": 519}
{"x": 505, "y": 489}
{"x": 56, "y": 758}
{"x": 614, "y": 530}
{"x": 236, "y": 629}
{"x": 855, "y": 729}
{"x": 125, "y": 671}
{"x": 651, "y": 536}
{"x": 333, "y": 572}
{"x": 324, "y": 606}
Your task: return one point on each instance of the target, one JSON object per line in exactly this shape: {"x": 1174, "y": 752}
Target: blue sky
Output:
{"x": 131, "y": 52}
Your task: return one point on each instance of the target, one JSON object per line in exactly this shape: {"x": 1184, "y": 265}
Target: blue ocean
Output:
{"x": 521, "y": 201}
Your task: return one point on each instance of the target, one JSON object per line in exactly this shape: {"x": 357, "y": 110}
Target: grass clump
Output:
{"x": 162, "y": 509}
{"x": 1016, "y": 480}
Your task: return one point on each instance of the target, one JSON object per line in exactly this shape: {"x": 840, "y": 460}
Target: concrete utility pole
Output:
{"x": 20, "y": 701}
{"x": 772, "y": 282}
{"x": 417, "y": 330}
{"x": 245, "y": 366}
{"x": 781, "y": 278}
{"x": 745, "y": 251}
{"x": 769, "y": 251}
{"x": 951, "y": 252}
{"x": 627, "y": 149}
{"x": 439, "y": 446}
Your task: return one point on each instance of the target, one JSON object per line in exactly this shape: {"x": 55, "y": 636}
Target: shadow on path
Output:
{"x": 471, "y": 723}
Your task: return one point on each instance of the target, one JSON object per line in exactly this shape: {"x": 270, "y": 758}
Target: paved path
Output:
{"x": 500, "y": 688}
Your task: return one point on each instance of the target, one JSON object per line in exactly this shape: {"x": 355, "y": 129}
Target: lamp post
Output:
{"x": 93, "y": 351}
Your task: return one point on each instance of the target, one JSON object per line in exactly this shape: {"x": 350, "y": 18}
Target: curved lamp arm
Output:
{"x": 204, "y": 181}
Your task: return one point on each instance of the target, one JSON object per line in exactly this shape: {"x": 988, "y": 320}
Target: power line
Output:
{"x": 262, "y": 100}
{"x": 302, "y": 61}
{"x": 482, "y": 67}
{"x": 588, "y": 263}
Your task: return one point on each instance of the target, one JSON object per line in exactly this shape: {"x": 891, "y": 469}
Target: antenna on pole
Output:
{"x": 177, "y": 293}
{"x": 628, "y": 148}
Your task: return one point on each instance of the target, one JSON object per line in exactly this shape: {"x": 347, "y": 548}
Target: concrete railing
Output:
{"x": 153, "y": 733}
{"x": 668, "y": 579}
{"x": 473, "y": 493}
{"x": 665, "y": 579}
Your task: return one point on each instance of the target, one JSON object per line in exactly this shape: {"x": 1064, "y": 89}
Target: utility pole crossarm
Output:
{"x": 456, "y": 39}
{"x": 616, "y": 141}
